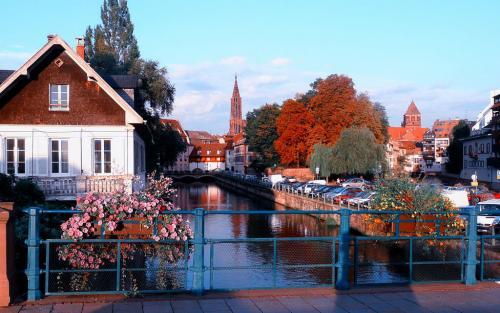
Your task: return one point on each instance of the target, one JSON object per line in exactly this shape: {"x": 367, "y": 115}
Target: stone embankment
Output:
{"x": 295, "y": 202}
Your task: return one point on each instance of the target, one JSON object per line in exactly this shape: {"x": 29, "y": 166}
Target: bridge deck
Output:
{"x": 484, "y": 297}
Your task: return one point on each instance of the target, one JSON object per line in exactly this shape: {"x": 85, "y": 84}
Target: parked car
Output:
{"x": 362, "y": 198}
{"x": 333, "y": 192}
{"x": 346, "y": 194}
{"x": 355, "y": 182}
{"x": 459, "y": 198}
{"x": 489, "y": 221}
{"x": 320, "y": 190}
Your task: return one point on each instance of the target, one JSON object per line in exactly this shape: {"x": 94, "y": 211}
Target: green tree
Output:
{"x": 356, "y": 152}
{"x": 384, "y": 120}
{"x": 260, "y": 133}
{"x": 321, "y": 158}
{"x": 455, "y": 149}
{"x": 111, "y": 48}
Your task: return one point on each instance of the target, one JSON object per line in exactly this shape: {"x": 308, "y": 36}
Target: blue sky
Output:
{"x": 442, "y": 54}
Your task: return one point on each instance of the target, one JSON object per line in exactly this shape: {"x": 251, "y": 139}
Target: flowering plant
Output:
{"x": 153, "y": 208}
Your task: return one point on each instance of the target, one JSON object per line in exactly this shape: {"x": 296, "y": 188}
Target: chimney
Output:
{"x": 50, "y": 37}
{"x": 80, "y": 47}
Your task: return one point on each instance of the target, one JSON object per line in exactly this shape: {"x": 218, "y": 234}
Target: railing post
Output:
{"x": 33, "y": 243}
{"x": 199, "y": 255}
{"x": 344, "y": 240}
{"x": 471, "y": 258}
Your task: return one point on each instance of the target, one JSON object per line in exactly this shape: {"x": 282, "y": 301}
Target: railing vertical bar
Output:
{"x": 211, "y": 265}
{"x": 275, "y": 255}
{"x": 481, "y": 277}
{"x": 334, "y": 261}
{"x": 186, "y": 262}
{"x": 118, "y": 265}
{"x": 398, "y": 224}
{"x": 462, "y": 259}
{"x": 47, "y": 267}
{"x": 410, "y": 261}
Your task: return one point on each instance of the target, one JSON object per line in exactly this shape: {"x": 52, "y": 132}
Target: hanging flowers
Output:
{"x": 152, "y": 207}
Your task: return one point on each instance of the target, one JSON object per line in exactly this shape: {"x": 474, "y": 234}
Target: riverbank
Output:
{"x": 299, "y": 202}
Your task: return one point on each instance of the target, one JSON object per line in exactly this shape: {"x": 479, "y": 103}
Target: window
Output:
{"x": 16, "y": 156}
{"x": 208, "y": 152}
{"x": 487, "y": 148}
{"x": 59, "y": 156}
{"x": 465, "y": 150}
{"x": 102, "y": 156}
{"x": 465, "y": 163}
{"x": 481, "y": 148}
{"x": 59, "y": 98}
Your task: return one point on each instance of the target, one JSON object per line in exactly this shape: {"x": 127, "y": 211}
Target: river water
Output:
{"x": 258, "y": 257}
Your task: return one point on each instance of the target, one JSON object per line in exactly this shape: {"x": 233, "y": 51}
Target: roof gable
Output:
{"x": 412, "y": 109}
{"x": 131, "y": 116}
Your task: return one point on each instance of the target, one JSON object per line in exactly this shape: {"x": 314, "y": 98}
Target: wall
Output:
{"x": 80, "y": 148}
{"x": 88, "y": 103}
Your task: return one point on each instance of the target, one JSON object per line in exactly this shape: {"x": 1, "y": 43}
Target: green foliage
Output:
{"x": 384, "y": 120}
{"x": 111, "y": 48}
{"x": 455, "y": 149}
{"x": 260, "y": 133}
{"x": 356, "y": 152}
{"x": 22, "y": 192}
{"x": 322, "y": 158}
{"x": 167, "y": 145}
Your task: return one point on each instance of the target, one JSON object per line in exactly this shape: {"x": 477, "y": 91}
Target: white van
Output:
{"x": 310, "y": 184}
{"x": 459, "y": 198}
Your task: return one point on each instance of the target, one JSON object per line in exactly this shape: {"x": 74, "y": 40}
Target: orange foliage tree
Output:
{"x": 294, "y": 126}
{"x": 337, "y": 106}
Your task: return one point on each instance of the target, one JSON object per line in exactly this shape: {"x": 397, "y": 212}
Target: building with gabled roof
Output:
{"x": 182, "y": 162}
{"x": 405, "y": 141}
{"x": 67, "y": 127}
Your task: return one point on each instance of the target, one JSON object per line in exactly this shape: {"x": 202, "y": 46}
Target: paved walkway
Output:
{"x": 462, "y": 299}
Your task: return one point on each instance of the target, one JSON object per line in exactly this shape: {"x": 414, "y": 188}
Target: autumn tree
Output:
{"x": 112, "y": 49}
{"x": 357, "y": 152}
{"x": 294, "y": 126}
{"x": 261, "y": 133}
{"x": 336, "y": 105}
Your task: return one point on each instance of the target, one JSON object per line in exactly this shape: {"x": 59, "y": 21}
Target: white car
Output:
{"x": 362, "y": 199}
{"x": 489, "y": 222}
{"x": 354, "y": 182}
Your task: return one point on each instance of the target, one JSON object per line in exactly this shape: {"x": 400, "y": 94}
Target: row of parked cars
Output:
{"x": 357, "y": 191}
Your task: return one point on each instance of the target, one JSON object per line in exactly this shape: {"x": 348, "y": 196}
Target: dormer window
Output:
{"x": 59, "y": 97}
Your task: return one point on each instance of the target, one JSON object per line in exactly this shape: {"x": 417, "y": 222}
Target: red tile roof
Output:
{"x": 443, "y": 129}
{"x": 407, "y": 133}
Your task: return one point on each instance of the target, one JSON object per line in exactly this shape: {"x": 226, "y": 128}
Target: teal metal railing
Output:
{"x": 345, "y": 259}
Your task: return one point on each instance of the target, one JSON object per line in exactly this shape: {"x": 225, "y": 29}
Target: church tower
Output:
{"x": 236, "y": 122}
{"x": 412, "y": 116}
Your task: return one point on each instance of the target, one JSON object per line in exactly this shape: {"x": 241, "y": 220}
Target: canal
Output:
{"x": 257, "y": 257}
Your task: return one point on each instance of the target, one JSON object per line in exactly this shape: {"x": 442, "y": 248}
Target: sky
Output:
{"x": 441, "y": 54}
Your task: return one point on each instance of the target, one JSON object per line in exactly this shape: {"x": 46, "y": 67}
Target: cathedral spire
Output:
{"x": 236, "y": 123}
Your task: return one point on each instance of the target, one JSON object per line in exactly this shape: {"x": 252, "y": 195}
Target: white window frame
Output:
{"x": 16, "y": 156}
{"x": 59, "y": 106}
{"x": 101, "y": 156}
{"x": 60, "y": 162}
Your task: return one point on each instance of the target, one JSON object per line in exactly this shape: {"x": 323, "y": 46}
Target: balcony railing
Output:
{"x": 68, "y": 188}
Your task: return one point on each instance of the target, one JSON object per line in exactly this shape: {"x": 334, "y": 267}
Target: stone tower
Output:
{"x": 236, "y": 122}
{"x": 412, "y": 116}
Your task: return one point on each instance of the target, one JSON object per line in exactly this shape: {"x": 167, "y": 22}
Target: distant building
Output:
{"x": 404, "y": 150}
{"x": 236, "y": 122}
{"x": 238, "y": 156}
{"x": 208, "y": 151}
{"x": 182, "y": 162}
{"x": 481, "y": 152}
{"x": 435, "y": 143}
